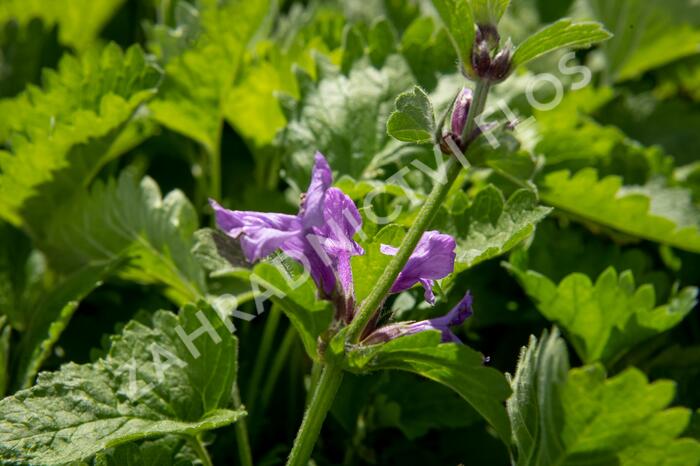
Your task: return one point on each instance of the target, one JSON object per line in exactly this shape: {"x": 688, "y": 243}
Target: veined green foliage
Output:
{"x": 606, "y": 318}
{"x": 201, "y": 65}
{"x": 128, "y": 220}
{"x": 653, "y": 211}
{"x": 79, "y": 21}
{"x": 150, "y": 384}
{"x": 61, "y": 135}
{"x": 564, "y": 416}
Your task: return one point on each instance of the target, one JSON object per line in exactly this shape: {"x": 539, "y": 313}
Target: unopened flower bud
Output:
{"x": 481, "y": 59}
{"x": 461, "y": 110}
{"x": 501, "y": 64}
{"x": 487, "y": 33}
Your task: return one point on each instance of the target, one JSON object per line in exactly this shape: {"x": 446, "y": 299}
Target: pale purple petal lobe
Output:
{"x": 455, "y": 317}
{"x": 433, "y": 259}
{"x": 314, "y": 200}
{"x": 260, "y": 233}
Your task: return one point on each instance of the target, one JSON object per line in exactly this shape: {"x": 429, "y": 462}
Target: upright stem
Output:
{"x": 200, "y": 450}
{"x": 214, "y": 155}
{"x": 321, "y": 402}
{"x": 264, "y": 350}
{"x": 332, "y": 375}
{"x": 481, "y": 93}
{"x": 244, "y": 454}
{"x": 425, "y": 216}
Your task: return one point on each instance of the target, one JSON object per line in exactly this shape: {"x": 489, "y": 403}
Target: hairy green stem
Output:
{"x": 481, "y": 93}
{"x": 431, "y": 206}
{"x": 321, "y": 402}
{"x": 244, "y": 454}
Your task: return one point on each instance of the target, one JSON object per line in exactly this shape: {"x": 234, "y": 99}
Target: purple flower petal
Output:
{"x": 320, "y": 237}
{"x": 333, "y": 241}
{"x": 260, "y": 233}
{"x": 457, "y": 314}
{"x": 312, "y": 207}
{"x": 307, "y": 251}
{"x": 341, "y": 221}
{"x": 455, "y": 317}
{"x": 433, "y": 258}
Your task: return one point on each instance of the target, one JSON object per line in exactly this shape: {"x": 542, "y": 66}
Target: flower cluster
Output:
{"x": 320, "y": 237}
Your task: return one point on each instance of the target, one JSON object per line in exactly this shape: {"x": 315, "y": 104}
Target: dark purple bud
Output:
{"x": 501, "y": 65}
{"x": 461, "y": 110}
{"x": 488, "y": 33}
{"x": 481, "y": 59}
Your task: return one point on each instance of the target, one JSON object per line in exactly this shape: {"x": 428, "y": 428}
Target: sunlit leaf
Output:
{"x": 60, "y": 136}
{"x": 150, "y": 384}
{"x": 577, "y": 416}
{"x": 654, "y": 212}
{"x": 563, "y": 34}
{"x": 608, "y": 317}
{"x": 455, "y": 365}
{"x": 127, "y": 218}
{"x": 414, "y": 118}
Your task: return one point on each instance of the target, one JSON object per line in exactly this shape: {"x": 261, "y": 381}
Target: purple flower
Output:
{"x": 455, "y": 317}
{"x": 433, "y": 258}
{"x": 319, "y": 236}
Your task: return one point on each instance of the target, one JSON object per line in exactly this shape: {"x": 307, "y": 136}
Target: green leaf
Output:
{"x": 297, "y": 296}
{"x": 490, "y": 225}
{"x": 217, "y": 252}
{"x": 46, "y": 313}
{"x": 37, "y": 302}
{"x": 653, "y": 212}
{"x": 381, "y": 42}
{"x": 580, "y": 417}
{"x": 668, "y": 123}
{"x": 489, "y": 11}
{"x": 534, "y": 408}
{"x": 17, "y": 272}
{"x": 26, "y": 50}
{"x": 63, "y": 134}
{"x": 79, "y": 21}
{"x": 344, "y": 118}
{"x": 414, "y": 118}
{"x": 401, "y": 400}
{"x": 458, "y": 19}
{"x": 428, "y": 51}
{"x": 168, "y": 451}
{"x": 270, "y": 70}
{"x": 608, "y": 317}
{"x": 199, "y": 78}
{"x": 558, "y": 249}
{"x": 454, "y": 365}
{"x": 280, "y": 280}
{"x": 648, "y": 34}
{"x": 562, "y": 34}
{"x": 125, "y": 218}
{"x": 353, "y": 48}
{"x": 367, "y": 268}
{"x": 150, "y": 384}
